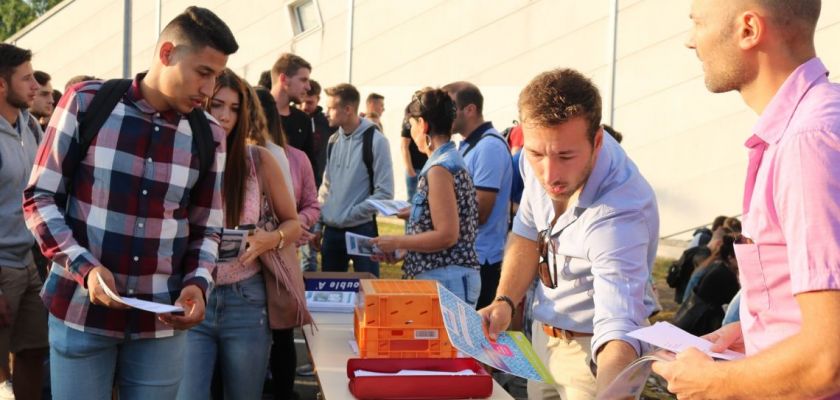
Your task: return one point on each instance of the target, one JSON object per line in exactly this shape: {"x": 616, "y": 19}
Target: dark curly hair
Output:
{"x": 435, "y": 107}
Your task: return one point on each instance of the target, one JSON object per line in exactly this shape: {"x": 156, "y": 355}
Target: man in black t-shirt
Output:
{"x": 290, "y": 82}
{"x": 321, "y": 130}
{"x": 413, "y": 159}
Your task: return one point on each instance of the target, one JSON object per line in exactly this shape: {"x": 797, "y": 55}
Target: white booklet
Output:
{"x": 669, "y": 337}
{"x": 339, "y": 302}
{"x": 389, "y": 207}
{"x": 150, "y": 306}
{"x": 360, "y": 245}
{"x": 232, "y": 244}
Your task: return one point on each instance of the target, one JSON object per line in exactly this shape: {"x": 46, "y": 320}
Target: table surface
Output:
{"x": 330, "y": 349}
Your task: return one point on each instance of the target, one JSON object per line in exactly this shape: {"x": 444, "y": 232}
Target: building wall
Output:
{"x": 686, "y": 141}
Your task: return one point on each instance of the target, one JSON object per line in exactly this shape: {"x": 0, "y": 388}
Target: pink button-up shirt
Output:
{"x": 791, "y": 206}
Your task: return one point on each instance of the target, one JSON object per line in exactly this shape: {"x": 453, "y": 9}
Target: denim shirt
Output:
{"x": 463, "y": 252}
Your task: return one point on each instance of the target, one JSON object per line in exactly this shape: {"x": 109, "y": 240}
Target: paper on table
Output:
{"x": 414, "y": 372}
{"x": 157, "y": 308}
{"x": 389, "y": 207}
{"x": 669, "y": 337}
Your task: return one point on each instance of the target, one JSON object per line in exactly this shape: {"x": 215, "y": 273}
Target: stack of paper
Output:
{"x": 337, "y": 302}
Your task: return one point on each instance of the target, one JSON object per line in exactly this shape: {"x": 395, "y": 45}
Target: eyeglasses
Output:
{"x": 545, "y": 246}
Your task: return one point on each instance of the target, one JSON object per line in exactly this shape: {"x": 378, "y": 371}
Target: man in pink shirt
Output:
{"x": 790, "y": 262}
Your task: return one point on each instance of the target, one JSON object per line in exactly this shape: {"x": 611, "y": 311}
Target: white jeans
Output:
{"x": 568, "y": 362}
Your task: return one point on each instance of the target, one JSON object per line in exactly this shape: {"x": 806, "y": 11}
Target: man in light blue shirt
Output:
{"x": 588, "y": 227}
{"x": 487, "y": 157}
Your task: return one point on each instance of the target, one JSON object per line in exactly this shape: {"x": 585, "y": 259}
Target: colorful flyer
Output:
{"x": 512, "y": 352}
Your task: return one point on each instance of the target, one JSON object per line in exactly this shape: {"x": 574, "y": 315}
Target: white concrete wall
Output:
{"x": 686, "y": 141}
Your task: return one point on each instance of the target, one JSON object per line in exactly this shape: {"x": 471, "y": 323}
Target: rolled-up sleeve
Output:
{"x": 617, "y": 244}
{"x": 807, "y": 200}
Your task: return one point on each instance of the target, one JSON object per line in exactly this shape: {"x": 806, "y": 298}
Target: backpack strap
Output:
{"x": 367, "y": 154}
{"x": 91, "y": 121}
{"x": 484, "y": 135}
{"x": 202, "y": 137}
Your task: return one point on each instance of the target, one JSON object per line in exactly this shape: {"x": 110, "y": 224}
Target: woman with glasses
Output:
{"x": 439, "y": 243}
{"x": 235, "y": 329}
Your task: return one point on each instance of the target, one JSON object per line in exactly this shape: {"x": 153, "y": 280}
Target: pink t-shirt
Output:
{"x": 235, "y": 271}
{"x": 791, "y": 206}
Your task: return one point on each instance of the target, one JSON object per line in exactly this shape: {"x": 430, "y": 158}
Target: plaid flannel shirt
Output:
{"x": 130, "y": 210}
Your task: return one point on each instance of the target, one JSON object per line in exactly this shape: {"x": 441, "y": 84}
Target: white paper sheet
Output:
{"x": 150, "y": 306}
{"x": 414, "y": 372}
{"x": 389, "y": 207}
{"x": 669, "y": 337}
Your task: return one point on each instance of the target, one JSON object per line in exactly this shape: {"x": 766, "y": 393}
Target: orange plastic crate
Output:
{"x": 400, "y": 319}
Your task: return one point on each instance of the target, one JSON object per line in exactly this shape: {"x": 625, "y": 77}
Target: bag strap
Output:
{"x": 367, "y": 154}
{"x": 484, "y": 135}
{"x": 202, "y": 137}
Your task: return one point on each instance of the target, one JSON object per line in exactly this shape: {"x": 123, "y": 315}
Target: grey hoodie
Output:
{"x": 345, "y": 186}
{"x": 17, "y": 155}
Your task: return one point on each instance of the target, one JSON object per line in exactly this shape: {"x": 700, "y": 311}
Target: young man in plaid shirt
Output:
{"x": 140, "y": 216}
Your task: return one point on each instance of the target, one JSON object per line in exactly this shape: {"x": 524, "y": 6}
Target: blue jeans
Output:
{"x": 235, "y": 332}
{"x": 461, "y": 281}
{"x": 308, "y": 258}
{"x": 85, "y": 365}
{"x": 411, "y": 184}
{"x": 733, "y": 313}
{"x": 334, "y": 256}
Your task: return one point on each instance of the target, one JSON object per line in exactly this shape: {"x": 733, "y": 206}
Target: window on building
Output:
{"x": 304, "y": 15}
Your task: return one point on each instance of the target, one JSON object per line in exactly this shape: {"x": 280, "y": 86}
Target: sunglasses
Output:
{"x": 545, "y": 246}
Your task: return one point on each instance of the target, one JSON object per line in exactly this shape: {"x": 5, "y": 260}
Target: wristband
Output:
{"x": 509, "y": 302}
{"x": 282, "y": 240}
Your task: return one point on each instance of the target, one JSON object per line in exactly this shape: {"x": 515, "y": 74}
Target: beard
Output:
{"x": 574, "y": 187}
{"x": 16, "y": 100}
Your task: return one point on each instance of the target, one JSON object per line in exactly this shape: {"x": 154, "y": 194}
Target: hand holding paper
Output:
{"x": 144, "y": 305}
{"x": 669, "y": 337}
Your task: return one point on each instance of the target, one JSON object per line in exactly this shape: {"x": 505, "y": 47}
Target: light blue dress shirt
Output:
{"x": 605, "y": 249}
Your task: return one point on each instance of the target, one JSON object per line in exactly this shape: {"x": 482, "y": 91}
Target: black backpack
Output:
{"x": 103, "y": 103}
{"x": 679, "y": 272}
{"x": 367, "y": 152}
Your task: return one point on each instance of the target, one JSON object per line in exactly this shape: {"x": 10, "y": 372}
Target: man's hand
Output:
{"x": 192, "y": 300}
{"x": 5, "y": 312}
{"x": 404, "y": 213}
{"x": 690, "y": 376}
{"x": 315, "y": 242}
{"x": 97, "y": 292}
{"x": 728, "y": 337}
{"x": 496, "y": 318}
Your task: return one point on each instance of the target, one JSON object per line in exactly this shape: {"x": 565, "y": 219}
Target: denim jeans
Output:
{"x": 334, "y": 256}
{"x": 308, "y": 259}
{"x": 733, "y": 314}
{"x": 85, "y": 365}
{"x": 235, "y": 332}
{"x": 461, "y": 281}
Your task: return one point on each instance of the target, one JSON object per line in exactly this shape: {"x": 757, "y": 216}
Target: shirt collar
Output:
{"x": 778, "y": 113}
{"x": 475, "y": 136}
{"x": 135, "y": 96}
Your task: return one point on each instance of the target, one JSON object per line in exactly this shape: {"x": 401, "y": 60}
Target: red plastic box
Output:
{"x": 478, "y": 386}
